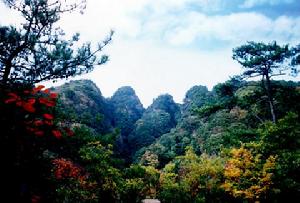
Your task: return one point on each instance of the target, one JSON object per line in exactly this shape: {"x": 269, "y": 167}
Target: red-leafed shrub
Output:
{"x": 30, "y": 132}
{"x": 66, "y": 169}
{"x": 34, "y": 109}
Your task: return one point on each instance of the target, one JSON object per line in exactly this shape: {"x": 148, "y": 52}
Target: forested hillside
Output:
{"x": 217, "y": 146}
{"x": 199, "y": 138}
{"x": 238, "y": 142}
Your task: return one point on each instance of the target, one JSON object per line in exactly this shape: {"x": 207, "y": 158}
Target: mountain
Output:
{"x": 221, "y": 118}
{"x": 207, "y": 120}
{"x": 159, "y": 118}
{"x": 174, "y": 146}
{"x": 126, "y": 109}
{"x": 82, "y": 102}
{"x": 196, "y": 97}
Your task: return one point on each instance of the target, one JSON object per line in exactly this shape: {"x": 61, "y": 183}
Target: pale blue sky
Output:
{"x": 167, "y": 46}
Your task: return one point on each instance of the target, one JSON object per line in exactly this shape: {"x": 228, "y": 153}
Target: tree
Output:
{"x": 37, "y": 51}
{"x": 266, "y": 60}
{"x": 98, "y": 161}
{"x": 283, "y": 139}
{"x": 247, "y": 175}
{"x": 192, "y": 178}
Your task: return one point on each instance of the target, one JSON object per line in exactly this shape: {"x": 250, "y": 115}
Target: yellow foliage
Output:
{"x": 149, "y": 159}
{"x": 247, "y": 175}
{"x": 198, "y": 174}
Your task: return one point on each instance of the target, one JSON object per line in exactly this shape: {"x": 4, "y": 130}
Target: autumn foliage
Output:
{"x": 247, "y": 175}
{"x": 64, "y": 168}
{"x": 36, "y": 106}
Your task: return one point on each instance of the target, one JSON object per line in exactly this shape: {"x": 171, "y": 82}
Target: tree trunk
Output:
{"x": 6, "y": 73}
{"x": 270, "y": 97}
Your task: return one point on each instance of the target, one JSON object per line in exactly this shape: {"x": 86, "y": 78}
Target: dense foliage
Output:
{"x": 220, "y": 146}
{"x": 70, "y": 144}
{"x": 222, "y": 150}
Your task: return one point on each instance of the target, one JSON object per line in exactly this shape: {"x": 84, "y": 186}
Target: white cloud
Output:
{"x": 252, "y": 3}
{"x": 151, "y": 50}
{"x": 235, "y": 28}
{"x": 8, "y": 16}
{"x": 143, "y": 53}
{"x": 153, "y": 69}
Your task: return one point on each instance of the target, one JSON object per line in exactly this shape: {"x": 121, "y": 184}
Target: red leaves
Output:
{"x": 31, "y": 101}
{"x": 13, "y": 98}
{"x": 69, "y": 132}
{"x": 35, "y": 199}
{"x": 64, "y": 168}
{"x": 47, "y": 98}
{"x": 53, "y": 95}
{"x": 46, "y": 102}
{"x": 38, "y": 88}
{"x": 57, "y": 134}
{"x": 39, "y": 133}
{"x": 48, "y": 116}
{"x": 38, "y": 123}
{"x": 34, "y": 106}
{"x": 49, "y": 123}
{"x": 28, "y": 107}
{"x": 46, "y": 91}
{"x": 10, "y": 100}
{"x": 13, "y": 95}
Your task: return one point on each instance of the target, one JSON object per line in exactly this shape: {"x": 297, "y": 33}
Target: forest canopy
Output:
{"x": 238, "y": 142}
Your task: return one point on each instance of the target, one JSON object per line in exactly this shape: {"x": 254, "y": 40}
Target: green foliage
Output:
{"x": 92, "y": 110}
{"x": 266, "y": 60}
{"x": 215, "y": 147}
{"x": 37, "y": 51}
{"x": 170, "y": 190}
{"x": 149, "y": 127}
{"x": 134, "y": 183}
{"x": 196, "y": 97}
{"x": 192, "y": 178}
{"x": 166, "y": 103}
{"x": 286, "y": 94}
{"x": 207, "y": 110}
{"x": 127, "y": 109}
{"x": 185, "y": 175}
{"x": 262, "y": 59}
{"x": 283, "y": 139}
{"x": 140, "y": 182}
{"x": 158, "y": 119}
{"x": 97, "y": 160}
{"x": 149, "y": 159}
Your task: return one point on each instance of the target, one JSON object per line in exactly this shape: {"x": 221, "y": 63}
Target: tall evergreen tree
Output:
{"x": 266, "y": 60}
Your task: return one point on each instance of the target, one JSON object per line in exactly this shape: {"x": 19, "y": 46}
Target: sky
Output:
{"x": 168, "y": 46}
